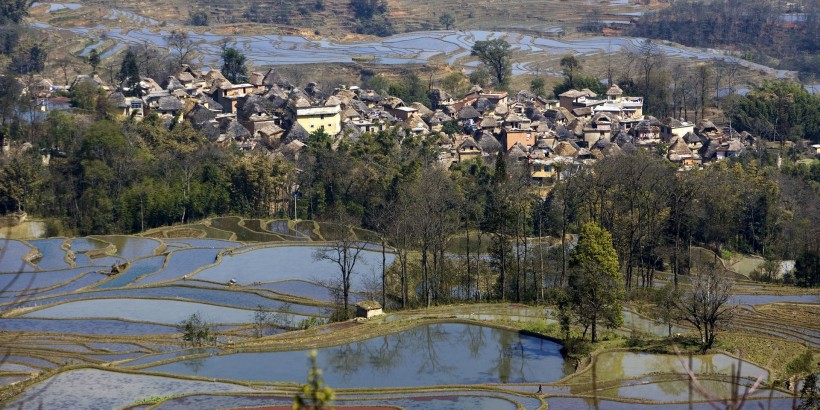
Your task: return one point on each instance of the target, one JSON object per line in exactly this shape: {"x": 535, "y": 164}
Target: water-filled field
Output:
{"x": 66, "y": 310}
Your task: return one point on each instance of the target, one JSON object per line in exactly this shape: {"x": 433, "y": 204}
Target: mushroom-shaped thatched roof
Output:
{"x": 297, "y": 133}
{"x": 488, "y": 121}
{"x": 679, "y": 148}
{"x": 236, "y": 131}
{"x": 517, "y": 151}
{"x": 614, "y": 90}
{"x": 705, "y": 125}
{"x": 468, "y": 112}
{"x": 468, "y": 143}
{"x": 332, "y": 101}
{"x": 421, "y": 109}
{"x": 692, "y": 138}
{"x": 118, "y": 99}
{"x": 169, "y": 103}
{"x": 611, "y": 150}
{"x": 488, "y": 143}
{"x": 602, "y": 143}
{"x": 483, "y": 105}
{"x": 565, "y": 149}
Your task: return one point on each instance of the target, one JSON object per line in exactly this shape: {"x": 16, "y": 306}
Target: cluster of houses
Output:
{"x": 268, "y": 113}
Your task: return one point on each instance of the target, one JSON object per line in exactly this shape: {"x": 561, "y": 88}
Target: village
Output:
{"x": 268, "y": 114}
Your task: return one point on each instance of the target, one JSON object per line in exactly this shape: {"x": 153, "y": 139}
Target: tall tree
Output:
{"x": 706, "y": 304}
{"x": 130, "y": 73}
{"x": 447, "y": 20}
{"x": 570, "y": 66}
{"x": 595, "y": 284}
{"x": 497, "y": 55}
{"x": 233, "y": 65}
{"x": 93, "y": 60}
{"x": 344, "y": 253}
{"x": 183, "y": 48}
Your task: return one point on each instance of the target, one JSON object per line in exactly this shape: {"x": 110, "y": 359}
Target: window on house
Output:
{"x": 311, "y": 125}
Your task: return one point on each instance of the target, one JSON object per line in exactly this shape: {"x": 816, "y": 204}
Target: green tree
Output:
{"x": 199, "y": 18}
{"x": 13, "y": 11}
{"x": 779, "y": 110}
{"x": 666, "y": 305}
{"x": 571, "y": 66}
{"x": 84, "y": 95}
{"x": 579, "y": 82}
{"x": 497, "y": 55}
{"x": 93, "y": 59}
{"x": 313, "y": 395}
{"x": 18, "y": 175}
{"x": 453, "y": 83}
{"x": 447, "y": 20}
{"x": 595, "y": 283}
{"x": 537, "y": 87}
{"x": 130, "y": 74}
{"x": 233, "y": 65}
{"x": 196, "y": 331}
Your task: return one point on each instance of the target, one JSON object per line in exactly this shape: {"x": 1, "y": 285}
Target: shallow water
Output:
{"x": 437, "y": 401}
{"x": 146, "y": 310}
{"x": 85, "y": 326}
{"x": 53, "y": 254}
{"x": 414, "y": 47}
{"x": 288, "y": 262}
{"x": 763, "y": 299}
{"x": 138, "y": 268}
{"x": 98, "y": 389}
{"x": 625, "y": 365}
{"x": 11, "y": 256}
{"x": 427, "y": 355}
{"x": 132, "y": 247}
{"x": 180, "y": 263}
{"x": 237, "y": 299}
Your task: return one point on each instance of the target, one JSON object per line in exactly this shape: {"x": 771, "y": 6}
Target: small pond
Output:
{"x": 433, "y": 354}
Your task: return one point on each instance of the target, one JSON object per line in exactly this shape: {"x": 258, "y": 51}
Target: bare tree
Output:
{"x": 650, "y": 57}
{"x": 345, "y": 254}
{"x": 706, "y": 304}
{"x": 182, "y": 47}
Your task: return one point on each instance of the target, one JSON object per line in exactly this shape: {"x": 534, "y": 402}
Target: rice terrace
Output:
{"x": 76, "y": 335}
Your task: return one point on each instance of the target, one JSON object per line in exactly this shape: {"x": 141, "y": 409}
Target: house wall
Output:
{"x": 331, "y": 122}
{"x": 667, "y": 132}
{"x": 509, "y": 139}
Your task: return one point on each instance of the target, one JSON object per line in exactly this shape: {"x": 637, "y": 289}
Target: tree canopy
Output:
{"x": 596, "y": 287}
{"x": 495, "y": 54}
{"x": 233, "y": 65}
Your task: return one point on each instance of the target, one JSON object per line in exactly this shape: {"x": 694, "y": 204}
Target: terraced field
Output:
{"x": 75, "y": 336}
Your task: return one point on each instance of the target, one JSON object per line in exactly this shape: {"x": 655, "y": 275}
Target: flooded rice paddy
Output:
{"x": 64, "y": 313}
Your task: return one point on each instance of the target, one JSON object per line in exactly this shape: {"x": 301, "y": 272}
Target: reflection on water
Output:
{"x": 427, "y": 355}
